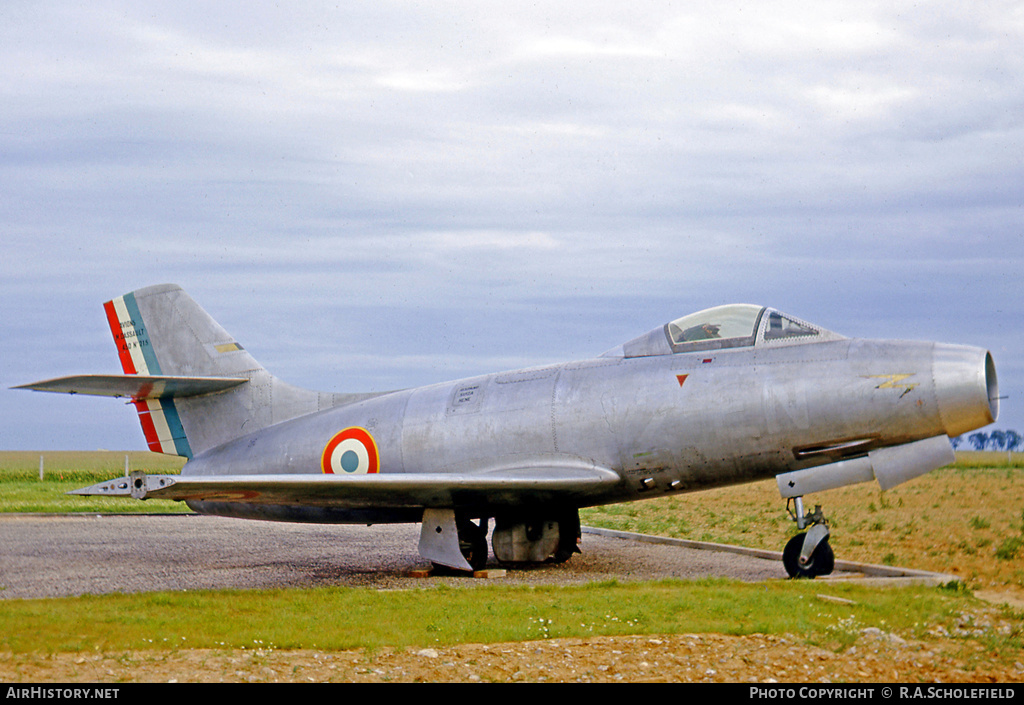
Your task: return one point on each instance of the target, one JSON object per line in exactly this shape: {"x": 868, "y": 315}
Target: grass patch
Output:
{"x": 968, "y": 459}
{"x": 351, "y": 618}
{"x": 21, "y": 490}
{"x": 960, "y": 520}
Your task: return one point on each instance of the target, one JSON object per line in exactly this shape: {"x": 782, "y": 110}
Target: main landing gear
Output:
{"x": 549, "y": 538}
{"x": 456, "y": 541}
{"x": 473, "y": 542}
{"x": 808, "y": 555}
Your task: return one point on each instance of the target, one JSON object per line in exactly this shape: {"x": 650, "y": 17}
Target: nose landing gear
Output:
{"x": 808, "y": 555}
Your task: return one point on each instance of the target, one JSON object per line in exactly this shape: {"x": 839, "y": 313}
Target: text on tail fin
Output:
{"x": 161, "y": 424}
{"x": 129, "y": 331}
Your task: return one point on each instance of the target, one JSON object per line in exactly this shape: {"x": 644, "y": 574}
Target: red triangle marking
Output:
{"x": 681, "y": 378}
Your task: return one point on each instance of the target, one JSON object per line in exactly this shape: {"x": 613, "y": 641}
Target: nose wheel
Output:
{"x": 821, "y": 560}
{"x": 809, "y": 554}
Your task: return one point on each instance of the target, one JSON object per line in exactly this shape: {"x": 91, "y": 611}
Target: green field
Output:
{"x": 21, "y": 490}
{"x": 362, "y": 618}
{"x": 965, "y": 520}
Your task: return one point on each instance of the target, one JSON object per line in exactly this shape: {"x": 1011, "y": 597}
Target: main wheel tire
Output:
{"x": 568, "y": 533}
{"x": 821, "y": 562}
{"x": 473, "y": 544}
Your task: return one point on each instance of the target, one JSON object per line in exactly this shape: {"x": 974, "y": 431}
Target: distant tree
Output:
{"x": 978, "y": 440}
{"x": 1008, "y": 440}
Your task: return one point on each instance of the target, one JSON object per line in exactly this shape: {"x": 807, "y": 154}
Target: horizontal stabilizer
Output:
{"x": 136, "y": 386}
{"x": 375, "y": 490}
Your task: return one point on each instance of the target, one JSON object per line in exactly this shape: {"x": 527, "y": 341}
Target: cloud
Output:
{"x": 583, "y": 172}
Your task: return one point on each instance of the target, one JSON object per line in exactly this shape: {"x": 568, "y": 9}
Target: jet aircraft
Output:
{"x": 732, "y": 394}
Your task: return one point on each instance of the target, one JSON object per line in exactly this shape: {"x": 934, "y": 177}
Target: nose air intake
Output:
{"x": 966, "y": 387}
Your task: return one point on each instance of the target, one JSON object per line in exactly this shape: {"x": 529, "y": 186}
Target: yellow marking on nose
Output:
{"x": 894, "y": 381}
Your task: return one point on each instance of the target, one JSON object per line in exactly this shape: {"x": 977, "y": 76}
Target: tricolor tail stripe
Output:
{"x": 162, "y": 427}
{"x": 160, "y": 421}
{"x": 129, "y": 331}
{"x": 114, "y": 321}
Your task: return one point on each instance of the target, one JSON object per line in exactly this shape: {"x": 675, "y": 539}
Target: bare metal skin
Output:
{"x": 733, "y": 394}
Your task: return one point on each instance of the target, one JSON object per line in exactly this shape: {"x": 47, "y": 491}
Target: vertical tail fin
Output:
{"x": 161, "y": 330}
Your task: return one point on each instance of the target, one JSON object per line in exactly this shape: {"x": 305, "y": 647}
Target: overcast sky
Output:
{"x": 392, "y": 194}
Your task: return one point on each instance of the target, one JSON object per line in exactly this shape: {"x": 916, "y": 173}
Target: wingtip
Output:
{"x": 117, "y": 487}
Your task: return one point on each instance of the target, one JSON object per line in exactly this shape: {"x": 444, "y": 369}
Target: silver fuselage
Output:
{"x": 664, "y": 423}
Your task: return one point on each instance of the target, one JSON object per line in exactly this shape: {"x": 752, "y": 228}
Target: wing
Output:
{"x": 135, "y": 386}
{"x": 504, "y": 487}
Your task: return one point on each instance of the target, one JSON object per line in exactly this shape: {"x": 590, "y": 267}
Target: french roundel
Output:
{"x": 351, "y": 452}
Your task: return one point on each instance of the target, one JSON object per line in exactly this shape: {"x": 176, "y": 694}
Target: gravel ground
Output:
{"x": 876, "y": 657}
{"x": 50, "y": 556}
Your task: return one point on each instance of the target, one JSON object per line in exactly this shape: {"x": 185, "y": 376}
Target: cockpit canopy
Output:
{"x": 731, "y": 326}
